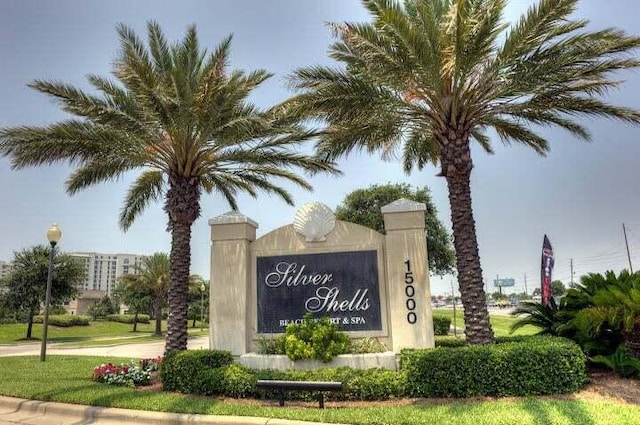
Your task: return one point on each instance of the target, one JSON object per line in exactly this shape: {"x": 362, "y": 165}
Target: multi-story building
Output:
{"x": 103, "y": 270}
{"x": 5, "y": 268}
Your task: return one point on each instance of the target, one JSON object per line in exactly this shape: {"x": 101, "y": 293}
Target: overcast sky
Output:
{"x": 579, "y": 195}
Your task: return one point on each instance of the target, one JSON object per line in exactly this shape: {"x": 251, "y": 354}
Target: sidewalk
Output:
{"x": 31, "y": 412}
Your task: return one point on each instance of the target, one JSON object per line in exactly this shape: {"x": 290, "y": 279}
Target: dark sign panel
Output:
{"x": 341, "y": 285}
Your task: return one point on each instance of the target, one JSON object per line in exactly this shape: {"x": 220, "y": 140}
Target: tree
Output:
{"x": 130, "y": 291}
{"x": 605, "y": 310}
{"x": 425, "y": 78}
{"x": 26, "y": 284}
{"x": 103, "y": 308}
{"x": 198, "y": 301}
{"x": 545, "y": 317}
{"x": 557, "y": 288}
{"x": 151, "y": 282}
{"x": 178, "y": 116}
{"x": 362, "y": 207}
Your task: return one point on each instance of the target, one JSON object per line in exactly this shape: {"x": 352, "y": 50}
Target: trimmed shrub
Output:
{"x": 441, "y": 325}
{"x": 315, "y": 339}
{"x": 367, "y": 345}
{"x": 451, "y": 342}
{"x": 272, "y": 345}
{"x": 64, "y": 320}
{"x": 128, "y": 318}
{"x": 358, "y": 385}
{"x": 195, "y": 372}
{"x": 535, "y": 365}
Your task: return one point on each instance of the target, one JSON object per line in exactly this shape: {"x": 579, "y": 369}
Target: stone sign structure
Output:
{"x": 370, "y": 284}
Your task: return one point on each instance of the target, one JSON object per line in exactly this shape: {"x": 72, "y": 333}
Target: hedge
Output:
{"x": 513, "y": 367}
{"x": 441, "y": 325}
{"x": 535, "y": 365}
{"x": 194, "y": 372}
{"x": 128, "y": 318}
{"x": 64, "y": 320}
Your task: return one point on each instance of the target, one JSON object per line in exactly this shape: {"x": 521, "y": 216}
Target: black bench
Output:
{"x": 282, "y": 386}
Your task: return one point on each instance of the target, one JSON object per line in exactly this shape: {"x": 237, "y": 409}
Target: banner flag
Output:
{"x": 546, "y": 270}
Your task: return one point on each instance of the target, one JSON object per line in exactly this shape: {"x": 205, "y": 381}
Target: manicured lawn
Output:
{"x": 501, "y": 324}
{"x": 66, "y": 379}
{"x": 15, "y": 332}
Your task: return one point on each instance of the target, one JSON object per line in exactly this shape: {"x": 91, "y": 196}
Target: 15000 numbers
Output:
{"x": 410, "y": 292}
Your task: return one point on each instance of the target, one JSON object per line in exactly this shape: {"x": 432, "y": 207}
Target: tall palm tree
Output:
{"x": 181, "y": 118}
{"x": 153, "y": 276}
{"x": 425, "y": 78}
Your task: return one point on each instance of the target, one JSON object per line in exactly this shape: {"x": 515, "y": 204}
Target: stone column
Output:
{"x": 410, "y": 317}
{"x": 231, "y": 237}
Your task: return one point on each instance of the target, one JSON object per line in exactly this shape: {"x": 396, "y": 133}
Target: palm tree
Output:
{"x": 616, "y": 307}
{"x": 427, "y": 77}
{"x": 544, "y": 317}
{"x": 178, "y": 116}
{"x": 153, "y": 275}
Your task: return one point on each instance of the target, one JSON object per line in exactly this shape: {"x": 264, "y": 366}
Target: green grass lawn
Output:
{"x": 103, "y": 330}
{"x": 501, "y": 324}
{"x": 66, "y": 379}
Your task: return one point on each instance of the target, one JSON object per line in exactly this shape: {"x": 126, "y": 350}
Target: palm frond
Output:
{"x": 147, "y": 188}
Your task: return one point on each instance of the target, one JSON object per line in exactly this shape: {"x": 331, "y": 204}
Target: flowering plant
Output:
{"x": 131, "y": 375}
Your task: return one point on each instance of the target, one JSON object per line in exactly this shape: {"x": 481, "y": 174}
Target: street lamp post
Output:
{"x": 202, "y": 289}
{"x": 53, "y": 235}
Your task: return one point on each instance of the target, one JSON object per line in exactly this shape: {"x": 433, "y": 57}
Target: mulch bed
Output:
{"x": 603, "y": 385}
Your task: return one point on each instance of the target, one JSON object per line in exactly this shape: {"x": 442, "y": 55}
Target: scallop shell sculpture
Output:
{"x": 314, "y": 221}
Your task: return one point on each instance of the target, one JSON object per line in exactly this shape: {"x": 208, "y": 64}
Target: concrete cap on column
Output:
{"x": 232, "y": 217}
{"x": 403, "y": 214}
{"x": 403, "y": 205}
{"x": 233, "y": 226}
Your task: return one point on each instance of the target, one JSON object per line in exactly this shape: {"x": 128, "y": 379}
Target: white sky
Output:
{"x": 579, "y": 195}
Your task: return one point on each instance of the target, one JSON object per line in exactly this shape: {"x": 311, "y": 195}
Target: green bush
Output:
{"x": 367, "y": 345}
{"x": 358, "y": 385}
{"x": 272, "y": 345}
{"x": 64, "y": 320}
{"x": 237, "y": 381}
{"x": 535, "y": 365}
{"x": 195, "y": 372}
{"x": 441, "y": 325}
{"x": 620, "y": 361}
{"x": 128, "y": 318}
{"x": 315, "y": 339}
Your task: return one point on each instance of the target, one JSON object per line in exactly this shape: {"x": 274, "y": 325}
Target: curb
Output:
{"x": 34, "y": 412}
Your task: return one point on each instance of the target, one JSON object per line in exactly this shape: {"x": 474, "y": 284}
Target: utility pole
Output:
{"x": 525, "y": 285}
{"x": 571, "y": 265}
{"x": 500, "y": 286}
{"x": 624, "y": 230}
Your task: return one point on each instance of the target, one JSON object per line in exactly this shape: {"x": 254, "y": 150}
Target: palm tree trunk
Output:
{"x": 157, "y": 311}
{"x": 182, "y": 204}
{"x": 456, "y": 167}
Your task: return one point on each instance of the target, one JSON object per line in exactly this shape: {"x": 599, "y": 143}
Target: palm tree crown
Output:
{"x": 427, "y": 77}
{"x": 181, "y": 117}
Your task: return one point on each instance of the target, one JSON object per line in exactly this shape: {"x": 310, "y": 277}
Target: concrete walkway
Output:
{"x": 31, "y": 412}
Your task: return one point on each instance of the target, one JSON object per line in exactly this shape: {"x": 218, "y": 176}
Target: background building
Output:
{"x": 103, "y": 270}
{"x": 5, "y": 268}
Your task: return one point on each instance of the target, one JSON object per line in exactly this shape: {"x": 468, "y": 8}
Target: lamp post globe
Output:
{"x": 54, "y": 234}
